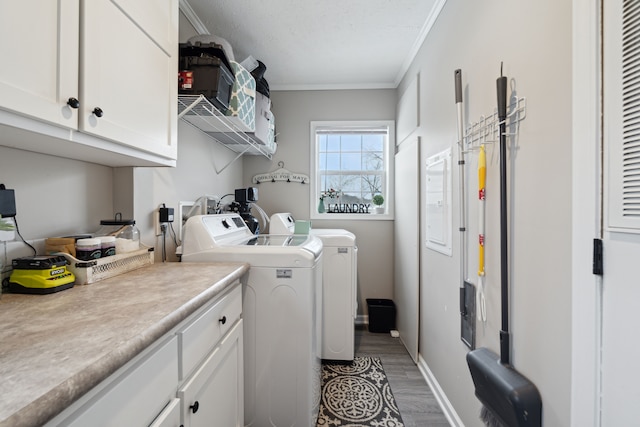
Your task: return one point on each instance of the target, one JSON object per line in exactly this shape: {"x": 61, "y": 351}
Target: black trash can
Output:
{"x": 382, "y": 315}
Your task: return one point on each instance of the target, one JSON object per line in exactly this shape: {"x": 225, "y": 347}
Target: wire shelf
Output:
{"x": 228, "y": 131}
{"x": 487, "y": 129}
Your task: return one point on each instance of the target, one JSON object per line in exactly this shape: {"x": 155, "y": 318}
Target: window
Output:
{"x": 352, "y": 162}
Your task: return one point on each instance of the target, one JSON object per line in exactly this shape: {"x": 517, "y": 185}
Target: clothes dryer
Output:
{"x": 281, "y": 303}
{"x": 339, "y": 285}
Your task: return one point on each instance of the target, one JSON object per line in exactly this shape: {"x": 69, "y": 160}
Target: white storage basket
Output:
{"x": 87, "y": 272}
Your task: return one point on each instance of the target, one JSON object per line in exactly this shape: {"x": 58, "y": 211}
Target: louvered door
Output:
{"x": 622, "y": 124}
{"x": 620, "y": 348}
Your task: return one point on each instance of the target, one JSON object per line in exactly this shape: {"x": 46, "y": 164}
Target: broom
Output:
{"x": 509, "y": 399}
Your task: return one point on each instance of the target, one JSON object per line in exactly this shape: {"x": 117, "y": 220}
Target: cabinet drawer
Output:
{"x": 216, "y": 390}
{"x": 170, "y": 415}
{"x": 201, "y": 336}
{"x": 139, "y": 396}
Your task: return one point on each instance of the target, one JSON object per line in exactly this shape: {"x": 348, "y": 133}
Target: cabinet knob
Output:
{"x": 194, "y": 408}
{"x": 73, "y": 103}
{"x": 223, "y": 320}
{"x": 97, "y": 112}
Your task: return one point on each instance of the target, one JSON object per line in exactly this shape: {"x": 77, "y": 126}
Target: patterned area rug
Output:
{"x": 357, "y": 395}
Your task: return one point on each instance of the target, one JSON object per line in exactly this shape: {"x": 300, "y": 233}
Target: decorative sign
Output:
{"x": 281, "y": 175}
{"x": 356, "y": 208}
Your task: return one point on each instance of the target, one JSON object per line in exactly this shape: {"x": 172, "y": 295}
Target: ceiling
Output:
{"x": 320, "y": 44}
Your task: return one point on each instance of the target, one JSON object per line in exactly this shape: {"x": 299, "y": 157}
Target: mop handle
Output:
{"x": 505, "y": 347}
{"x": 463, "y": 242}
{"x": 458, "y": 77}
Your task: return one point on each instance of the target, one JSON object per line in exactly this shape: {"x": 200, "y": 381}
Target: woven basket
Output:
{"x": 87, "y": 272}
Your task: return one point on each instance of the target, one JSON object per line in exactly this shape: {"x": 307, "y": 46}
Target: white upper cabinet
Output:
{"x": 117, "y": 58}
{"x": 39, "y": 50}
{"x": 130, "y": 76}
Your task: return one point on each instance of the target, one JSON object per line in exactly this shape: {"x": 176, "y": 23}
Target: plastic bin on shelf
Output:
{"x": 211, "y": 76}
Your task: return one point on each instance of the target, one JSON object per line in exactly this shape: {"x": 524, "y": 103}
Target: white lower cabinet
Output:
{"x": 199, "y": 337}
{"x": 137, "y": 396}
{"x": 170, "y": 415}
{"x": 214, "y": 395}
{"x": 193, "y": 376}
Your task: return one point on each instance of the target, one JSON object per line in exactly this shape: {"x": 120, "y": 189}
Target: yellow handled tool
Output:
{"x": 482, "y": 179}
{"x": 481, "y": 309}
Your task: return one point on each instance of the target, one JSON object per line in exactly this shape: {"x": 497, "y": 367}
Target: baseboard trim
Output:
{"x": 362, "y": 319}
{"x": 446, "y": 406}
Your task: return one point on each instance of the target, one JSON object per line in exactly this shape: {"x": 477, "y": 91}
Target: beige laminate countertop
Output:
{"x": 54, "y": 348}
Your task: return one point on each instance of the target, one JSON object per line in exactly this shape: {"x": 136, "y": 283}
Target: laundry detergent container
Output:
{"x": 382, "y": 315}
{"x": 242, "y": 103}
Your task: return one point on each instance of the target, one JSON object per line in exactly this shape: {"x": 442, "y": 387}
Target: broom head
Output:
{"x": 509, "y": 396}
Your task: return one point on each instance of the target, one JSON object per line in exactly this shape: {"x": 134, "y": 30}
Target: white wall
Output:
{"x": 195, "y": 175}
{"x": 199, "y": 157}
{"x": 533, "y": 39}
{"x": 56, "y": 196}
{"x": 294, "y": 110}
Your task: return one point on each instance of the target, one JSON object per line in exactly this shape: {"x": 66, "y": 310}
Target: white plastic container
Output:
{"x": 107, "y": 245}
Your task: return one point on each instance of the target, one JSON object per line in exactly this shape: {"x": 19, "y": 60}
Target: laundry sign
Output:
{"x": 356, "y": 208}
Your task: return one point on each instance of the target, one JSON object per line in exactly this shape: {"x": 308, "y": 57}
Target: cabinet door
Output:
{"x": 159, "y": 20}
{"x": 214, "y": 396}
{"x": 138, "y": 396}
{"x": 128, "y": 76}
{"x": 39, "y": 51}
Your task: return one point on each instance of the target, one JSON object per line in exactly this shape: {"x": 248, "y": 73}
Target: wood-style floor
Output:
{"x": 417, "y": 404}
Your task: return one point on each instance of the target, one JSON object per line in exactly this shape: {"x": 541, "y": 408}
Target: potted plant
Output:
{"x": 330, "y": 194}
{"x": 378, "y": 200}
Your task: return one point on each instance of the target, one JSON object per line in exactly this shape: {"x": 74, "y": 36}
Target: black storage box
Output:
{"x": 211, "y": 73}
{"x": 382, "y": 315}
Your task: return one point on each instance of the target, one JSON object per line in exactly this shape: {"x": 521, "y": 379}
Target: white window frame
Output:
{"x": 389, "y": 153}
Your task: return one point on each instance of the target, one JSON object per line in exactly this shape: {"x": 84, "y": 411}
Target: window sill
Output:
{"x": 359, "y": 217}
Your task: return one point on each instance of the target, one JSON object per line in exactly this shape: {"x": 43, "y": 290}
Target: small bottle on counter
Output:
{"x": 88, "y": 249}
{"x": 107, "y": 245}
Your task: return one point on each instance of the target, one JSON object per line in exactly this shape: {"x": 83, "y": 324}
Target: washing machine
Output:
{"x": 339, "y": 286}
{"x": 281, "y": 310}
